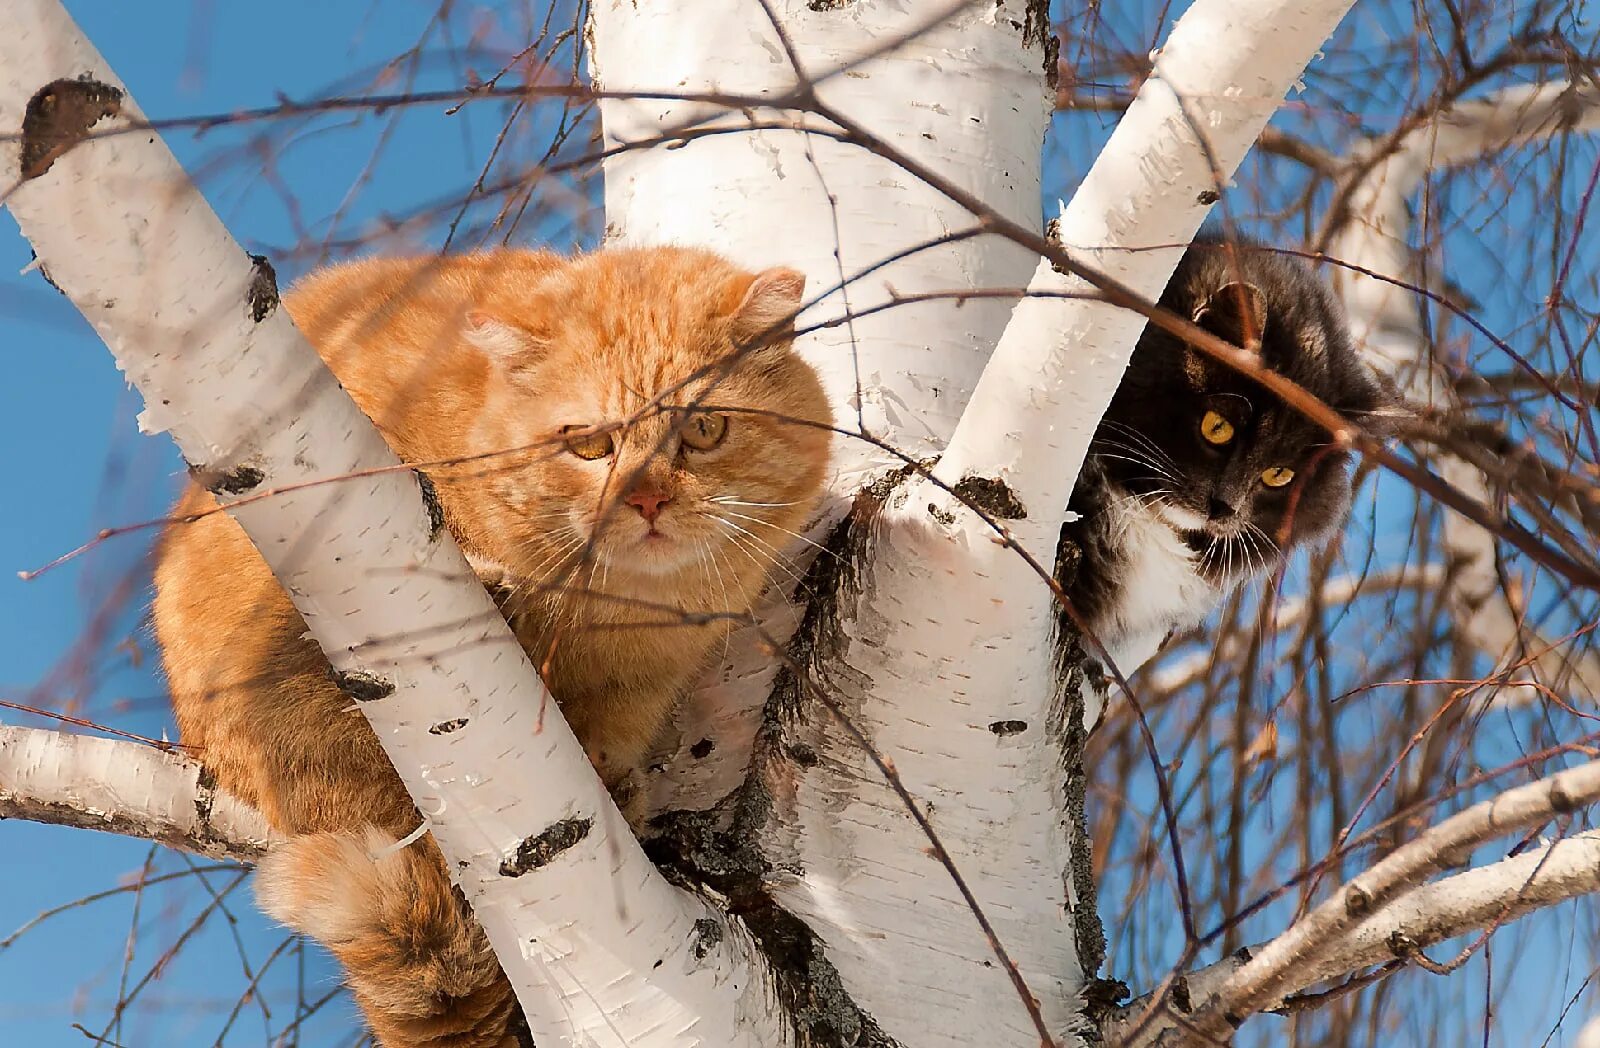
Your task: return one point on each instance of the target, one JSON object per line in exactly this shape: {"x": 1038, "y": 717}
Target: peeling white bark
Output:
{"x": 126, "y": 788}
{"x": 1388, "y": 321}
{"x": 599, "y": 947}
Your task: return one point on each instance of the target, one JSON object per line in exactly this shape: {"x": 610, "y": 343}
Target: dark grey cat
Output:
{"x": 1198, "y": 479}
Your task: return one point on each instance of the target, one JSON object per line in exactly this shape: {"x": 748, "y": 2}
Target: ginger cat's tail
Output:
{"x": 419, "y": 965}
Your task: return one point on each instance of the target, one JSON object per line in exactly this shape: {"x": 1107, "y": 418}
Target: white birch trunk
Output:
{"x": 938, "y": 650}
{"x": 1388, "y": 321}
{"x": 968, "y": 97}
{"x": 385, "y": 591}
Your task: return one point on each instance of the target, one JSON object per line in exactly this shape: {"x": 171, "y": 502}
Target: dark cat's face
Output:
{"x": 1241, "y": 476}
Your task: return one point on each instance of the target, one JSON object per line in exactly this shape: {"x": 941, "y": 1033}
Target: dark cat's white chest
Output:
{"x": 1158, "y": 587}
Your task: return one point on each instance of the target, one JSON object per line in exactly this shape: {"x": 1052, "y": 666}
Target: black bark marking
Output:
{"x": 542, "y": 848}
{"x": 1036, "y": 30}
{"x": 1180, "y": 995}
{"x": 702, "y": 749}
{"x": 43, "y": 272}
{"x": 991, "y": 495}
{"x": 803, "y": 755}
{"x": 697, "y": 849}
{"x": 1052, "y": 233}
{"x": 237, "y": 481}
{"x": 361, "y": 685}
{"x": 262, "y": 295}
{"x": 1102, "y": 997}
{"x": 205, "y": 797}
{"x": 430, "y": 500}
{"x": 707, "y": 935}
{"x": 1004, "y": 728}
{"x": 446, "y": 727}
{"x": 59, "y": 116}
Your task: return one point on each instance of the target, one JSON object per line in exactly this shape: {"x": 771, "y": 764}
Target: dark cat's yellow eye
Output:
{"x": 1215, "y": 428}
{"x": 1277, "y": 476}
{"x": 586, "y": 445}
{"x": 704, "y": 430}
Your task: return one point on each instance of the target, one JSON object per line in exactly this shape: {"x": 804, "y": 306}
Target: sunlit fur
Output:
{"x": 466, "y": 358}
{"x": 1173, "y": 520}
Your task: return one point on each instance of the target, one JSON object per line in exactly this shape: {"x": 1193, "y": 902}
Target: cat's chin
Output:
{"x": 654, "y": 555}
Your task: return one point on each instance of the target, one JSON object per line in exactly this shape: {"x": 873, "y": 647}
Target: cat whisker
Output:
{"x": 1136, "y": 435}
{"x": 1136, "y": 460}
{"x": 756, "y": 547}
{"x": 1144, "y": 443}
{"x": 728, "y": 500}
{"x": 786, "y": 531}
{"x": 772, "y": 551}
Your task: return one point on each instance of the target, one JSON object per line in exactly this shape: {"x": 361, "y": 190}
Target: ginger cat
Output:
{"x": 612, "y": 514}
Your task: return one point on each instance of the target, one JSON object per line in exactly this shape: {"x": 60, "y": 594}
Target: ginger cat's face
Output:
{"x": 666, "y": 455}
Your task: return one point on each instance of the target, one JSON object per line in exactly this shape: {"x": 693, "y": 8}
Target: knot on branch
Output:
{"x": 1401, "y": 944}
{"x": 1357, "y": 901}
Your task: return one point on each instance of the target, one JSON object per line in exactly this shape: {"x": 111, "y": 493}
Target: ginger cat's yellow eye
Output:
{"x": 705, "y": 430}
{"x": 588, "y": 446}
{"x": 1277, "y": 476}
{"x": 1215, "y": 428}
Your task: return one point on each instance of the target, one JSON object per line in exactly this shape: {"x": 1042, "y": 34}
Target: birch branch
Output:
{"x": 1276, "y": 969}
{"x": 1215, "y": 84}
{"x": 1486, "y": 897}
{"x": 1389, "y": 323}
{"x": 384, "y": 590}
{"x": 125, "y": 788}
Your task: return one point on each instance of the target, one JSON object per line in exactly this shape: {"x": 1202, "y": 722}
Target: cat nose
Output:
{"x": 1220, "y": 510}
{"x": 648, "y": 503}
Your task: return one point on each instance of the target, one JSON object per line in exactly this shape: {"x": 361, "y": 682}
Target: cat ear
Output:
{"x": 769, "y": 305}
{"x": 1236, "y": 312}
{"x": 501, "y": 342}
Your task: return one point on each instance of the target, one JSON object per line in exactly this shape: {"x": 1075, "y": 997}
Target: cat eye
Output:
{"x": 1277, "y": 476}
{"x": 1216, "y": 429}
{"x": 588, "y": 446}
{"x": 704, "y": 430}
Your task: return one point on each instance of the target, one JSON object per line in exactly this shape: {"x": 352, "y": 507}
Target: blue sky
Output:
{"x": 77, "y": 465}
